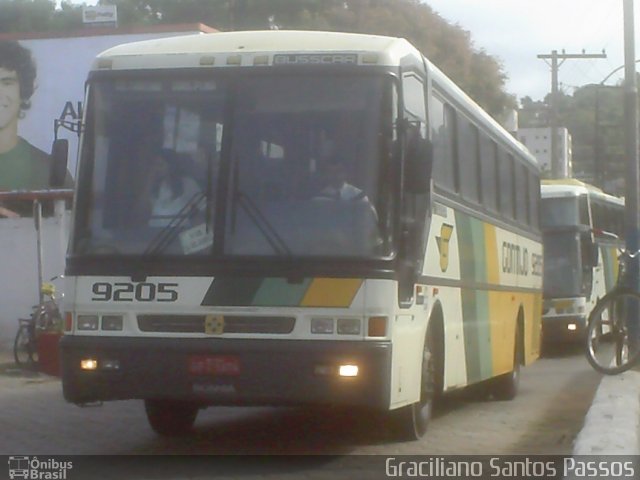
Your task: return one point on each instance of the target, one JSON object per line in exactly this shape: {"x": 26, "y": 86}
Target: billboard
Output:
{"x": 62, "y": 63}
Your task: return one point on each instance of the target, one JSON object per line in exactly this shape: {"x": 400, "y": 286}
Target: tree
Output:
{"x": 448, "y": 46}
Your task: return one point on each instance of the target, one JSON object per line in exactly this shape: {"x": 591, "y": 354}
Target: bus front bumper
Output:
{"x": 565, "y": 328}
{"x": 226, "y": 371}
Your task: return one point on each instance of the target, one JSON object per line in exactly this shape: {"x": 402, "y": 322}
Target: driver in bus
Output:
{"x": 168, "y": 189}
{"x": 336, "y": 185}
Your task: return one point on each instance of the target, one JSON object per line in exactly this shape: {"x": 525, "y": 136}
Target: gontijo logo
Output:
{"x": 36, "y": 469}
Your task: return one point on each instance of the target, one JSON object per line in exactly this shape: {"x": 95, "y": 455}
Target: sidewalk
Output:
{"x": 612, "y": 425}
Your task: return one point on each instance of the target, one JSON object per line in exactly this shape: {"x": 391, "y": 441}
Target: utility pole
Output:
{"x": 631, "y": 152}
{"x": 557, "y": 59}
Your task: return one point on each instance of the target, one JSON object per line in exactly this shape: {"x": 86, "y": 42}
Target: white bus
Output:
{"x": 583, "y": 228}
{"x": 256, "y": 223}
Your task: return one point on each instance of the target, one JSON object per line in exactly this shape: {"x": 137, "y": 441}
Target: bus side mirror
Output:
{"x": 418, "y": 166}
{"x": 59, "y": 156}
{"x": 591, "y": 254}
{"x": 595, "y": 254}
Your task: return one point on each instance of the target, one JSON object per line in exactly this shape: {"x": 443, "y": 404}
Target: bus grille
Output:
{"x": 232, "y": 324}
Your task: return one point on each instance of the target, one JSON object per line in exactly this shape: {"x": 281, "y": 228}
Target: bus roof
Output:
{"x": 570, "y": 187}
{"x": 243, "y": 49}
{"x": 259, "y": 48}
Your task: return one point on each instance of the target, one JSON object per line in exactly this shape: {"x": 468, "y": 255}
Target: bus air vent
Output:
{"x": 231, "y": 324}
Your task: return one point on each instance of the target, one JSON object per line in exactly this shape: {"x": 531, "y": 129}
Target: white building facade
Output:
{"x": 538, "y": 141}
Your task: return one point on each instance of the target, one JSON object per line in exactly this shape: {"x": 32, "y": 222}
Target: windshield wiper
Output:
{"x": 169, "y": 232}
{"x": 259, "y": 220}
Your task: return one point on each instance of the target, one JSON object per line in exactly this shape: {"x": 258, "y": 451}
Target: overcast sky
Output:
{"x": 516, "y": 31}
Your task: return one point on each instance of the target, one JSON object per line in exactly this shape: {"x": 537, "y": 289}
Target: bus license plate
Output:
{"x": 214, "y": 365}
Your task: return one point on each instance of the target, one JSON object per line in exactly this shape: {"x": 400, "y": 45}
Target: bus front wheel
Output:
{"x": 170, "y": 417}
{"x": 410, "y": 422}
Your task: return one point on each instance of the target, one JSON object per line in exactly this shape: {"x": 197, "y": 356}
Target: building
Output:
{"x": 538, "y": 141}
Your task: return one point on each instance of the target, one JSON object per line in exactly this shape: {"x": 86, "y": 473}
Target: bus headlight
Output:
{"x": 112, "y": 322}
{"x": 88, "y": 364}
{"x": 348, "y": 370}
{"x": 88, "y": 322}
{"x": 349, "y": 326}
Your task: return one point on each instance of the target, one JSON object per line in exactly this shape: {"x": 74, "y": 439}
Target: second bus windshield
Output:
{"x": 293, "y": 165}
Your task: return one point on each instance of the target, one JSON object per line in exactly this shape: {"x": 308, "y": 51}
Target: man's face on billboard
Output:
{"x": 9, "y": 97}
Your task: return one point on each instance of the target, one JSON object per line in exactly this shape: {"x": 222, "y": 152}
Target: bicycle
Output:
{"x": 44, "y": 317}
{"x": 608, "y": 349}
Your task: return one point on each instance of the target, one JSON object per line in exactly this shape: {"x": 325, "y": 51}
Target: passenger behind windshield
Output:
{"x": 336, "y": 186}
{"x": 167, "y": 189}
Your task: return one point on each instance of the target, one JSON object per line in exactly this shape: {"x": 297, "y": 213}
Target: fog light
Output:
{"x": 322, "y": 325}
{"x": 323, "y": 370}
{"x": 349, "y": 326}
{"x": 88, "y": 322}
{"x": 112, "y": 322}
{"x": 572, "y": 327}
{"x": 89, "y": 364}
{"x": 348, "y": 370}
{"x": 111, "y": 365}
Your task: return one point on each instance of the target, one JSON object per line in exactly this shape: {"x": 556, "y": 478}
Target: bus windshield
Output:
{"x": 564, "y": 211}
{"x": 562, "y": 265}
{"x": 237, "y": 165}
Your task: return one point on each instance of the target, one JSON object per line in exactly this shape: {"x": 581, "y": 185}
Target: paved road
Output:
{"x": 555, "y": 395}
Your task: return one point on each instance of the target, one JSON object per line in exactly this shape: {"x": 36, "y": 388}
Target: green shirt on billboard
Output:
{"x": 24, "y": 167}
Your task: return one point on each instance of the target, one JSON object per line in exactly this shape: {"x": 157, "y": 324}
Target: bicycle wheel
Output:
{"x": 23, "y": 347}
{"x": 607, "y": 342}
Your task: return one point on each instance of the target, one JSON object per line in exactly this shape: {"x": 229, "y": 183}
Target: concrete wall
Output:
{"x": 19, "y": 266}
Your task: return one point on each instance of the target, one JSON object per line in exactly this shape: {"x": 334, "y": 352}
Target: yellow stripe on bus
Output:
{"x": 502, "y": 308}
{"x": 331, "y": 292}
{"x": 491, "y": 252}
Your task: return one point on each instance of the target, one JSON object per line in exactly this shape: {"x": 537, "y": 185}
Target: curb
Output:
{"x": 612, "y": 424}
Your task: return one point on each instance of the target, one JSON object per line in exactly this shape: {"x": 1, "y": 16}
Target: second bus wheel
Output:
{"x": 170, "y": 417}
{"x": 505, "y": 387}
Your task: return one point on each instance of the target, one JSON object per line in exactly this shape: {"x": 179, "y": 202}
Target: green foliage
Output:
{"x": 448, "y": 46}
{"x": 594, "y": 116}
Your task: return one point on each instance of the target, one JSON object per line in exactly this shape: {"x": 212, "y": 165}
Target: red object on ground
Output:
{"x": 48, "y": 354}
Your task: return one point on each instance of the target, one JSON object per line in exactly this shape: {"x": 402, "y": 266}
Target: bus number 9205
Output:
{"x": 128, "y": 292}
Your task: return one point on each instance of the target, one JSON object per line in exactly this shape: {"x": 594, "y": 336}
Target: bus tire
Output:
{"x": 170, "y": 417}
{"x": 505, "y": 387}
{"x": 410, "y": 422}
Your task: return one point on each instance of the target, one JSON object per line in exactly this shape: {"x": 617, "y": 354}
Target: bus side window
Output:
{"x": 442, "y": 134}
{"x": 488, "y": 173}
{"x": 505, "y": 186}
{"x": 534, "y": 200}
{"x": 468, "y": 159}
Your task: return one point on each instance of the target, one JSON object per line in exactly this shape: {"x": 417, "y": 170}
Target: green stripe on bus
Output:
{"x": 477, "y": 335}
{"x": 485, "y": 340}
{"x": 465, "y": 247}
{"x": 277, "y": 292}
{"x": 478, "y": 245}
{"x": 232, "y": 291}
{"x": 471, "y": 338}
